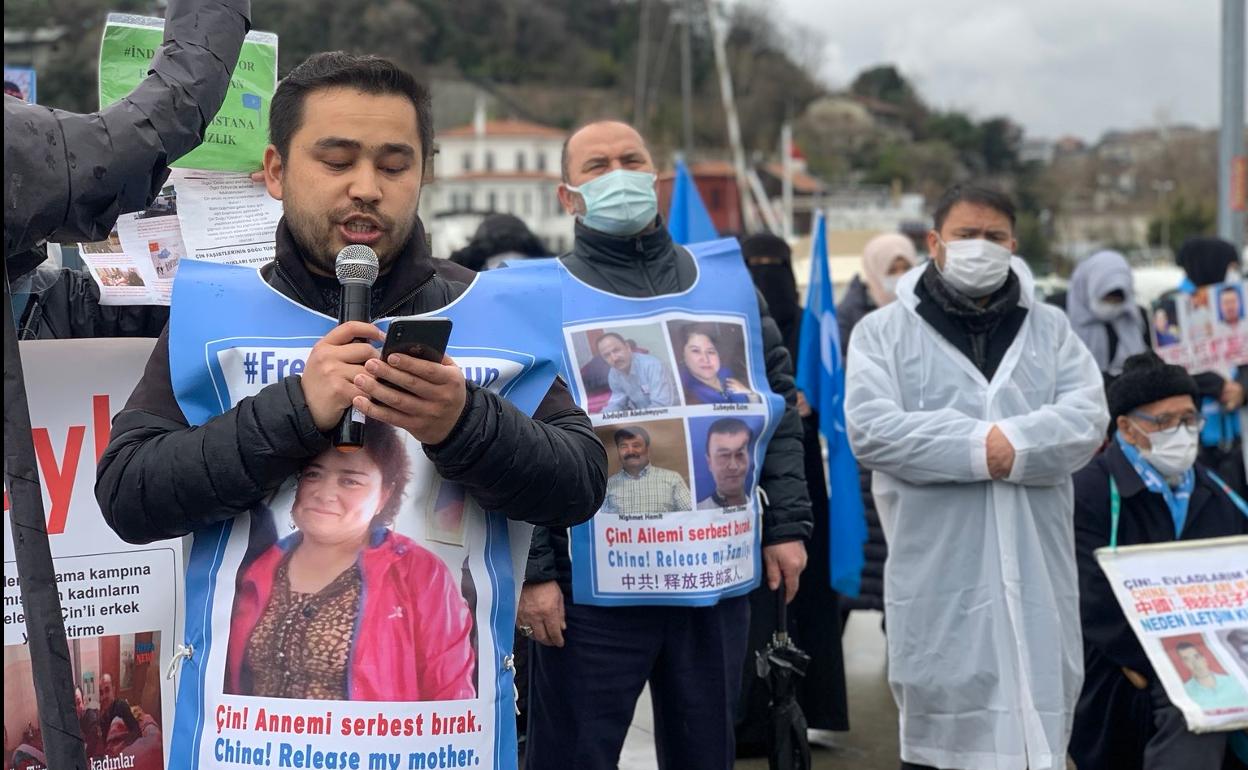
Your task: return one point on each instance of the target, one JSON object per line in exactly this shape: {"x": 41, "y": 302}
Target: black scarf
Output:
{"x": 978, "y": 321}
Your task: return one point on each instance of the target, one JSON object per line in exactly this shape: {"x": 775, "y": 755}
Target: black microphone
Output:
{"x": 356, "y": 267}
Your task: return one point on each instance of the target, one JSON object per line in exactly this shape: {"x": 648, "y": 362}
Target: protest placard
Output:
{"x": 122, "y": 603}
{"x": 1204, "y": 331}
{"x": 236, "y": 138}
{"x": 209, "y": 209}
{"x": 1188, "y": 605}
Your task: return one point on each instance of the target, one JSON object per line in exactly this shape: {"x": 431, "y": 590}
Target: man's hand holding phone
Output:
{"x": 406, "y": 390}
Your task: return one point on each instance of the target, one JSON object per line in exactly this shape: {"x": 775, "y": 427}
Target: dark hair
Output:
{"x": 1206, "y": 260}
{"x": 337, "y": 69}
{"x": 498, "y": 234}
{"x": 384, "y": 446}
{"x": 1186, "y": 646}
{"x": 705, "y": 329}
{"x": 610, "y": 334}
{"x": 726, "y": 426}
{"x": 975, "y": 194}
{"x": 632, "y": 431}
{"x": 9, "y": 85}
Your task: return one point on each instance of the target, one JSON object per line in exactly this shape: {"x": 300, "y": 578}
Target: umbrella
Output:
{"x": 780, "y": 665}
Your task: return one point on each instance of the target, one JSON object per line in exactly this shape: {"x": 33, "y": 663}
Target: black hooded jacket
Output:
{"x": 650, "y": 265}
{"x": 161, "y": 478}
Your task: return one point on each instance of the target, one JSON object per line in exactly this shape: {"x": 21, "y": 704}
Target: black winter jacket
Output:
{"x": 160, "y": 478}
{"x": 1113, "y": 720}
{"x": 70, "y": 309}
{"x": 649, "y": 265}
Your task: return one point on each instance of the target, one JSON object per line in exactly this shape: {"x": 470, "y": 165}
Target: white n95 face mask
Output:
{"x": 1172, "y": 453}
{"x": 975, "y": 267}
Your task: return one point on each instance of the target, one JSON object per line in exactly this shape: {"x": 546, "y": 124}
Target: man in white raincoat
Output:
{"x": 973, "y": 404}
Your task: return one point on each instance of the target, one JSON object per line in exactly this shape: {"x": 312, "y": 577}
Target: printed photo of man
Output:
{"x": 637, "y": 380}
{"x": 728, "y": 444}
{"x": 640, "y": 487}
{"x": 1210, "y": 690}
{"x": 1230, "y": 306}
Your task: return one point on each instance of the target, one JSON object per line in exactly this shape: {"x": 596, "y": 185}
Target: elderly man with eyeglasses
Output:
{"x": 1150, "y": 475}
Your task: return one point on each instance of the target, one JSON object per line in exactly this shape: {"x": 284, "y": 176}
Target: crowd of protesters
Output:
{"x": 993, "y": 431}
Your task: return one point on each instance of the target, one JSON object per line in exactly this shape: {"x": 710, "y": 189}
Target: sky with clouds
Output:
{"x": 1058, "y": 67}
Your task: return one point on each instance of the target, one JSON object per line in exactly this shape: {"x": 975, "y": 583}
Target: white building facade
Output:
{"x": 496, "y": 166}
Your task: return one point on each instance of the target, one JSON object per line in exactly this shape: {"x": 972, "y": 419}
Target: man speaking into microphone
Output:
{"x": 351, "y": 138}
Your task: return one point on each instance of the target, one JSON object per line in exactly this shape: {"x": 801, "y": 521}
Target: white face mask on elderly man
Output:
{"x": 975, "y": 267}
{"x": 1172, "y": 453}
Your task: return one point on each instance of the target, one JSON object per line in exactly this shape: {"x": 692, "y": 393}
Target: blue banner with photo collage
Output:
{"x": 676, "y": 388}
{"x": 404, "y": 658}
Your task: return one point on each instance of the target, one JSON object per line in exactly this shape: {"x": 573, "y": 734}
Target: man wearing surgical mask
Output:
{"x": 972, "y": 404}
{"x": 1161, "y": 493}
{"x": 591, "y": 662}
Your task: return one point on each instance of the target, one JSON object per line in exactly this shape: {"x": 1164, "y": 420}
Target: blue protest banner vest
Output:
{"x": 676, "y": 387}
{"x": 401, "y": 658}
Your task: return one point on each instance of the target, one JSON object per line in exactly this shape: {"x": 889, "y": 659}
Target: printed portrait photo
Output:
{"x": 711, "y": 362}
{"x": 1201, "y": 315}
{"x": 1166, "y": 330}
{"x": 1205, "y": 679}
{"x": 332, "y": 603}
{"x": 1231, "y": 304}
{"x": 723, "y": 452}
{"x": 647, "y": 467}
{"x": 626, "y": 367}
{"x": 117, "y": 699}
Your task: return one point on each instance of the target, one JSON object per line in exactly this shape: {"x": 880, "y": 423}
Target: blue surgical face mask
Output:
{"x": 621, "y": 202}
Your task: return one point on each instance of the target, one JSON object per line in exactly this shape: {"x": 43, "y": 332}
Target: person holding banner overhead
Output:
{"x": 607, "y": 617}
{"x": 973, "y": 404}
{"x": 1146, "y": 487}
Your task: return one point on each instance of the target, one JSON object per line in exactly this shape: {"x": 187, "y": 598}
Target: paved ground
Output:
{"x": 871, "y": 743}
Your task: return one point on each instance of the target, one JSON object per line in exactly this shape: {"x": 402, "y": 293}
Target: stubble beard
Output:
{"x": 315, "y": 234}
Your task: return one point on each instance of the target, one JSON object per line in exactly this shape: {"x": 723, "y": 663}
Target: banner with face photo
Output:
{"x": 362, "y": 615}
{"x": 1187, "y": 603}
{"x": 676, "y": 387}
{"x": 1205, "y": 331}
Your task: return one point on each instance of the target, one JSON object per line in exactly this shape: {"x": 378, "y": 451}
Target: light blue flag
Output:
{"x": 821, "y": 376}
{"x": 687, "y": 219}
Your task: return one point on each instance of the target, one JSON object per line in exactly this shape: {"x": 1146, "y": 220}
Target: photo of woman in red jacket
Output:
{"x": 345, "y": 608}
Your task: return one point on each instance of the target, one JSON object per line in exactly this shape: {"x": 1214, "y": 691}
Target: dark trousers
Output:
{"x": 582, "y": 696}
{"x": 1172, "y": 747}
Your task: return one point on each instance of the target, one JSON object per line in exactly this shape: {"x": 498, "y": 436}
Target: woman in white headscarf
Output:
{"x": 884, "y": 260}
{"x": 1102, "y": 310}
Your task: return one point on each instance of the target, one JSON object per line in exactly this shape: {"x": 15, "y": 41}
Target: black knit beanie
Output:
{"x": 1146, "y": 378}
